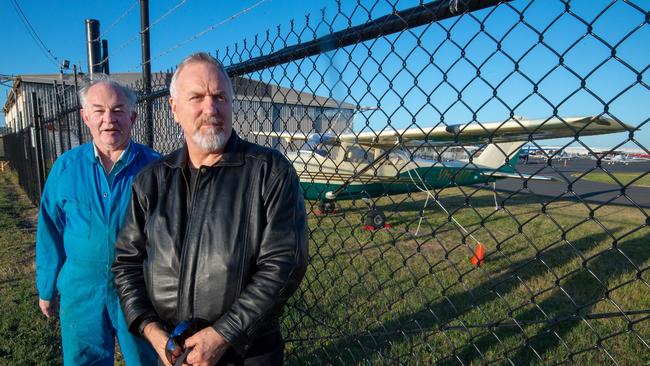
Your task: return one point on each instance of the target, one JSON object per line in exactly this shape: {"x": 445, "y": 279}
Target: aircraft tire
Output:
{"x": 327, "y": 207}
{"x": 376, "y": 219}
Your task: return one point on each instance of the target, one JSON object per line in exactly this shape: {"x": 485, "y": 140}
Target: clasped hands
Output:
{"x": 190, "y": 342}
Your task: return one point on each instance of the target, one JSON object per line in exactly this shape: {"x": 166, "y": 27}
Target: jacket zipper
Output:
{"x": 240, "y": 277}
{"x": 184, "y": 248}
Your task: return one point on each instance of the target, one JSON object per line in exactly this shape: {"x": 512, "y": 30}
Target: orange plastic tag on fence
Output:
{"x": 479, "y": 255}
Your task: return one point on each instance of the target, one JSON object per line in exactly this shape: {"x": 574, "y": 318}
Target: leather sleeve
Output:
{"x": 281, "y": 263}
{"x": 129, "y": 257}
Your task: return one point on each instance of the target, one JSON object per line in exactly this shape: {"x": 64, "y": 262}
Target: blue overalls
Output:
{"x": 82, "y": 209}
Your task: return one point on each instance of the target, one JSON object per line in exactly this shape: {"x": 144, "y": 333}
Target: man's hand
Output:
{"x": 207, "y": 347}
{"x": 48, "y": 308}
{"x": 157, "y": 336}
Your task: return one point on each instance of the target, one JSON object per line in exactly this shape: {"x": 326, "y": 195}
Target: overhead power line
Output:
{"x": 32, "y": 32}
{"x": 203, "y": 32}
{"x": 137, "y": 35}
{"x": 119, "y": 19}
{"x": 170, "y": 11}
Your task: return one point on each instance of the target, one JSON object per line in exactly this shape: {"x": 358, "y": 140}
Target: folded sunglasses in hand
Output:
{"x": 175, "y": 350}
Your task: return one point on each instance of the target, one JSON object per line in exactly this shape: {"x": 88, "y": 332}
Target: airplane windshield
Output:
{"x": 314, "y": 143}
{"x": 321, "y": 149}
{"x": 398, "y": 157}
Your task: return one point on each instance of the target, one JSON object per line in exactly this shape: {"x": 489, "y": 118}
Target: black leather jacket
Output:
{"x": 232, "y": 253}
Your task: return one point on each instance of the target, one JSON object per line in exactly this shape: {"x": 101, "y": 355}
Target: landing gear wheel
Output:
{"x": 376, "y": 219}
{"x": 326, "y": 207}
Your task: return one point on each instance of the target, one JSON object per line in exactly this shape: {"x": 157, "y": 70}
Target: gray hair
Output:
{"x": 131, "y": 98}
{"x": 196, "y": 58}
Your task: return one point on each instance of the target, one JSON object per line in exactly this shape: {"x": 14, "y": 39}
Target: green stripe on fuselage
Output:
{"x": 434, "y": 177}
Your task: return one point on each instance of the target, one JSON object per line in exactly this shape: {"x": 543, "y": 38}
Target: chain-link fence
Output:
{"x": 383, "y": 107}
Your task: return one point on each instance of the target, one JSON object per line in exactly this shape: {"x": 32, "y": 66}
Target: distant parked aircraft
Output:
{"x": 623, "y": 159}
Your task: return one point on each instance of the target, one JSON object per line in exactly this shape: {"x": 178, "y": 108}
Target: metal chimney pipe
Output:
{"x": 93, "y": 46}
{"x": 105, "y": 57}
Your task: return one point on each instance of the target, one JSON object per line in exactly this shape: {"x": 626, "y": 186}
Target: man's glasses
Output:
{"x": 174, "y": 350}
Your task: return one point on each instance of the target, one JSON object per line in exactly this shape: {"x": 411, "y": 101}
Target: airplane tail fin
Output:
{"x": 502, "y": 156}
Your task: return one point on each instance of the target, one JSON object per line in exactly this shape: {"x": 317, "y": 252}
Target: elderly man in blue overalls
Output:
{"x": 84, "y": 201}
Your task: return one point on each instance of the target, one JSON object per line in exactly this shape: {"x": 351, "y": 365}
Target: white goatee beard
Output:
{"x": 213, "y": 140}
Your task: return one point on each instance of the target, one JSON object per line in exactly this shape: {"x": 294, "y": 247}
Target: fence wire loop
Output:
{"x": 421, "y": 252}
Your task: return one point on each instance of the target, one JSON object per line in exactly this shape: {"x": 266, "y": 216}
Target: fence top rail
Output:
{"x": 392, "y": 23}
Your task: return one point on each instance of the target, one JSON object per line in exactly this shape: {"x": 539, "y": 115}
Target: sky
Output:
{"x": 393, "y": 75}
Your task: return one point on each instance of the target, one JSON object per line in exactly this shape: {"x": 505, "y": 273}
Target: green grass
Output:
{"x": 391, "y": 296}
{"x": 27, "y": 338}
{"x": 637, "y": 179}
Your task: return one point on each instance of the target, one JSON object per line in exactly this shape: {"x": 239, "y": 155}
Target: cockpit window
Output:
{"x": 320, "y": 151}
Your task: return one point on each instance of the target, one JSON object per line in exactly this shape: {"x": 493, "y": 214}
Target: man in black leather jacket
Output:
{"x": 215, "y": 231}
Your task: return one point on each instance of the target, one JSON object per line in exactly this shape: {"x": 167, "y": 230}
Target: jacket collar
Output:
{"x": 233, "y": 154}
{"x": 127, "y": 157}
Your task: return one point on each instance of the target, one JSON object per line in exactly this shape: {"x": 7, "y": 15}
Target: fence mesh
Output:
{"x": 461, "y": 272}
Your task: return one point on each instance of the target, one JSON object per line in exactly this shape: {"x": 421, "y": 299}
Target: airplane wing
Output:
{"x": 287, "y": 136}
{"x": 314, "y": 138}
{"x": 484, "y": 133}
{"x": 495, "y": 174}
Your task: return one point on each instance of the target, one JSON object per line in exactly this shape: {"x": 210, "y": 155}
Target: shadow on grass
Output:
{"x": 574, "y": 300}
{"x": 574, "y": 293}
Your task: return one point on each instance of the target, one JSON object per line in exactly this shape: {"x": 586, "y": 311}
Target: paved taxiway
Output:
{"x": 581, "y": 190}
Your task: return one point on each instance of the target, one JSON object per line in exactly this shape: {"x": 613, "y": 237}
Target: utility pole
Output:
{"x": 146, "y": 70}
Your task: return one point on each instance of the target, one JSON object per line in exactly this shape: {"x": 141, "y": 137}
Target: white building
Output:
{"x": 258, "y": 106}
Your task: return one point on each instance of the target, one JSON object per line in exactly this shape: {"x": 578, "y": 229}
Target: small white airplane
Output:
{"x": 623, "y": 159}
{"x": 368, "y": 164}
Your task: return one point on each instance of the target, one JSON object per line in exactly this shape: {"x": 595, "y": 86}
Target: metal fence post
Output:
{"x": 66, "y": 111}
{"x": 59, "y": 115}
{"x": 146, "y": 71}
{"x": 40, "y": 163}
{"x": 76, "y": 96}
